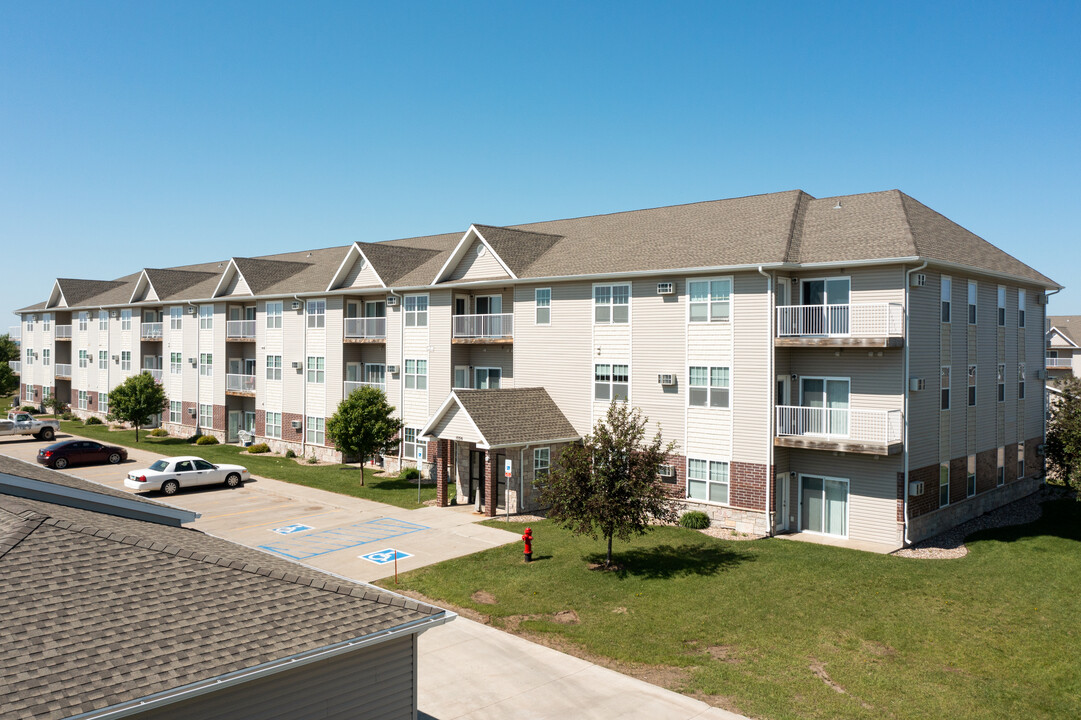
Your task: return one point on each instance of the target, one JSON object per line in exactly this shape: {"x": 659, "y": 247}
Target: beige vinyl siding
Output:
{"x": 959, "y": 365}
{"x": 333, "y": 339}
{"x": 876, "y": 284}
{"x": 478, "y": 356}
{"x": 316, "y": 393}
{"x": 872, "y": 490}
{"x": 923, "y": 338}
{"x": 217, "y": 343}
{"x": 1035, "y": 321}
{"x": 189, "y": 374}
{"x": 570, "y": 381}
{"x": 235, "y": 285}
{"x": 294, "y": 325}
{"x": 416, "y": 340}
{"x": 659, "y": 336}
{"x": 472, "y": 267}
{"x": 269, "y": 342}
{"x": 751, "y": 380}
{"x": 375, "y": 682}
{"x": 456, "y": 424}
{"x": 360, "y": 275}
{"x": 393, "y": 355}
{"x": 440, "y": 372}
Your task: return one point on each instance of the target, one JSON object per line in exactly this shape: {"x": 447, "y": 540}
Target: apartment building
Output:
{"x": 858, "y": 369}
{"x": 1063, "y": 351}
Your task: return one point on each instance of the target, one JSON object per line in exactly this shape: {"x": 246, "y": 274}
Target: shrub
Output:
{"x": 28, "y": 408}
{"x": 695, "y": 519}
{"x": 290, "y": 454}
{"x": 67, "y": 416}
{"x": 313, "y": 460}
{"x": 92, "y": 420}
{"x": 159, "y": 432}
{"x": 259, "y": 448}
{"x": 409, "y": 473}
{"x": 206, "y": 440}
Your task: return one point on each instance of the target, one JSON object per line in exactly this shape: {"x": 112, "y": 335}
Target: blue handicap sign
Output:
{"x": 382, "y": 557}
{"x": 290, "y": 529}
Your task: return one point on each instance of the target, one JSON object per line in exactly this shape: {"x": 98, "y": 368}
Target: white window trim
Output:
{"x": 709, "y": 303}
{"x": 206, "y": 317}
{"x": 611, "y": 380}
{"x": 707, "y": 460}
{"x": 314, "y": 426}
{"x": 848, "y": 505}
{"x": 942, "y": 466}
{"x": 419, "y": 447}
{"x": 467, "y": 377}
{"x": 415, "y": 374}
{"x": 970, "y": 477}
{"x": 208, "y": 420}
{"x": 178, "y": 407}
{"x": 206, "y": 364}
{"x": 973, "y": 298}
{"x": 315, "y": 312}
{"x": 945, "y": 298}
{"x": 709, "y": 387}
{"x": 948, "y": 388}
{"x": 548, "y": 467}
{"x": 274, "y": 311}
{"x": 610, "y": 305}
{"x": 476, "y": 380}
{"x": 1022, "y": 298}
{"x": 1001, "y": 306}
{"x": 176, "y": 317}
{"x": 125, "y": 320}
{"x": 267, "y": 425}
{"x": 537, "y": 306}
{"x": 273, "y": 371}
{"x": 125, "y": 359}
{"x": 313, "y": 371}
{"x": 416, "y": 313}
{"x": 972, "y": 378}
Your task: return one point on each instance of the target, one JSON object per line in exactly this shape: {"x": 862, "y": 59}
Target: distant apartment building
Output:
{"x": 1063, "y": 350}
{"x": 858, "y": 368}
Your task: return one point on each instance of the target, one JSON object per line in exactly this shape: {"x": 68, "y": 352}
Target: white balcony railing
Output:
{"x": 871, "y": 426}
{"x": 351, "y": 385}
{"x": 155, "y": 373}
{"x": 1057, "y": 362}
{"x": 15, "y": 332}
{"x": 63, "y": 369}
{"x": 240, "y": 328}
{"x": 240, "y": 383}
{"x": 63, "y": 331}
{"x": 150, "y": 331}
{"x": 484, "y": 326}
{"x": 375, "y": 327}
{"x": 15, "y": 365}
{"x": 854, "y": 320}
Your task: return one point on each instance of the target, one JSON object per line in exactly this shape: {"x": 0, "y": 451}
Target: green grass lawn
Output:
{"x": 783, "y": 629}
{"x": 343, "y": 479}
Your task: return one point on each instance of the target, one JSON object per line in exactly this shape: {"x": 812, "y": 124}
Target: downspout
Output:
{"x": 401, "y": 373}
{"x": 303, "y": 383}
{"x": 771, "y": 384}
{"x": 904, "y": 380}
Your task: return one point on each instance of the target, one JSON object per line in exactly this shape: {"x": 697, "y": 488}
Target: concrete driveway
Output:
{"x": 468, "y": 671}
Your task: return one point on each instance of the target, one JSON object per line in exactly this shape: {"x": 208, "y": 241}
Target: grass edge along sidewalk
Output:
{"x": 341, "y": 479}
{"x": 781, "y": 629}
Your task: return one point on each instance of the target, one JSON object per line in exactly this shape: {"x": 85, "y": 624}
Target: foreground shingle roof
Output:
{"x": 97, "y": 610}
{"x": 516, "y": 415}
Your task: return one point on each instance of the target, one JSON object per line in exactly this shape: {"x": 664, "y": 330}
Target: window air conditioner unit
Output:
{"x": 296, "y": 424}
{"x": 666, "y": 379}
{"x": 297, "y": 365}
{"x": 392, "y": 369}
{"x": 193, "y": 361}
{"x": 1041, "y": 374}
{"x": 1041, "y": 449}
{"x": 917, "y": 384}
{"x": 666, "y": 471}
{"x": 116, "y": 358}
{"x": 915, "y": 488}
{"x": 191, "y": 411}
{"x": 918, "y": 280}
{"x": 191, "y": 309}
{"x": 392, "y": 300}
{"x": 295, "y": 305}
{"x": 665, "y": 288}
{"x": 1041, "y": 299}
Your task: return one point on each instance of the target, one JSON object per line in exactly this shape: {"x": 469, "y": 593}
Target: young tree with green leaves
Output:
{"x": 1064, "y": 434}
{"x": 363, "y": 425}
{"x": 137, "y": 400}
{"x": 608, "y": 486}
{"x": 9, "y": 350}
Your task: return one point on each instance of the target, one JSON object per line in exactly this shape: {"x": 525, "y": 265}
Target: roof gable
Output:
{"x": 355, "y": 271}
{"x": 1057, "y": 338}
{"x": 144, "y": 289}
{"x": 503, "y": 418}
{"x": 168, "y": 283}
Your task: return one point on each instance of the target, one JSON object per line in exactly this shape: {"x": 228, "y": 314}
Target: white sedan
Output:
{"x": 171, "y": 474}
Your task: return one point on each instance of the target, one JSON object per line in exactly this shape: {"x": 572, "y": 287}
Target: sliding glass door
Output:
{"x": 828, "y": 400}
{"x": 824, "y": 505}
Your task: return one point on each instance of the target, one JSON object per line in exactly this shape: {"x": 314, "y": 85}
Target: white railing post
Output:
{"x": 850, "y": 320}
{"x": 484, "y": 326}
{"x": 877, "y": 426}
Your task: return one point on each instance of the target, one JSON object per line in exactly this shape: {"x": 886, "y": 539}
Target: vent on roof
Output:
{"x": 392, "y": 300}
{"x": 918, "y": 280}
{"x": 665, "y": 288}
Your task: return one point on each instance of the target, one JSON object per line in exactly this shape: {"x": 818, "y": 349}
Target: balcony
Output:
{"x": 63, "y": 332}
{"x": 240, "y": 384}
{"x": 63, "y": 370}
{"x": 1057, "y": 363}
{"x": 868, "y": 432}
{"x": 155, "y": 373}
{"x": 351, "y": 385}
{"x": 240, "y": 329}
{"x": 150, "y": 331}
{"x": 16, "y": 366}
{"x": 372, "y": 329}
{"x": 15, "y": 332}
{"x": 858, "y": 324}
{"x": 483, "y": 328}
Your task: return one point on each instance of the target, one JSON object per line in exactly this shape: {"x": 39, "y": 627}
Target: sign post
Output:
{"x": 506, "y": 486}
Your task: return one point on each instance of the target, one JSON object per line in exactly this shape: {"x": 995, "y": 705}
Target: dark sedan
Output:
{"x": 75, "y": 452}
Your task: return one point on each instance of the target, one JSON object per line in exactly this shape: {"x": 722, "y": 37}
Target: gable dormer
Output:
{"x": 56, "y": 297}
{"x": 356, "y": 271}
{"x": 487, "y": 252}
{"x": 144, "y": 290}
{"x": 232, "y": 282}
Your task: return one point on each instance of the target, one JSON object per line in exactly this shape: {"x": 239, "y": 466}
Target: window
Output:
{"x": 273, "y": 367}
{"x": 175, "y": 363}
{"x": 103, "y": 320}
{"x": 461, "y": 377}
{"x": 46, "y": 356}
{"x": 84, "y": 358}
{"x": 707, "y": 480}
{"x": 29, "y": 323}
{"x": 125, "y": 319}
{"x": 206, "y": 317}
{"x": 46, "y": 322}
{"x": 943, "y": 484}
{"x": 29, "y": 393}
{"x": 206, "y": 364}
{"x": 274, "y": 315}
{"x": 1021, "y": 381}
{"x": 273, "y": 425}
{"x": 29, "y": 356}
{"x": 611, "y": 304}
{"x": 611, "y": 382}
{"x": 206, "y": 415}
{"x": 317, "y": 313}
{"x": 971, "y": 302}
{"x": 316, "y": 430}
{"x": 542, "y": 463}
{"x": 972, "y": 386}
{"x": 411, "y": 447}
{"x": 317, "y": 369}
{"x": 947, "y": 288}
{"x": 543, "y": 297}
{"x": 488, "y": 378}
{"x": 416, "y": 374}
{"x": 1001, "y": 383}
{"x": 708, "y": 387}
{"x": 103, "y": 360}
{"x": 46, "y": 393}
{"x": 1001, "y": 466}
{"x": 176, "y": 411}
{"x": 125, "y": 360}
{"x": 971, "y": 486}
{"x": 416, "y": 310}
{"x": 84, "y": 319}
{"x": 710, "y": 300}
{"x": 1002, "y": 306}
{"x": 1020, "y": 308}
{"x": 1020, "y": 461}
{"x": 944, "y": 384}
{"x": 84, "y": 399}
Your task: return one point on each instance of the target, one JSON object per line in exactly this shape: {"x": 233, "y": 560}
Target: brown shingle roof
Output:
{"x": 516, "y": 415}
{"x": 517, "y": 248}
{"x": 393, "y": 262}
{"x": 1068, "y": 325}
{"x": 169, "y": 283}
{"x": 77, "y": 292}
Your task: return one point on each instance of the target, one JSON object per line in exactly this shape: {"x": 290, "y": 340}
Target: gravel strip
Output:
{"x": 726, "y": 534}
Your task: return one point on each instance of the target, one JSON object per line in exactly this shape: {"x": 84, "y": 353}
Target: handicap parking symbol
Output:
{"x": 290, "y": 529}
{"x": 382, "y": 557}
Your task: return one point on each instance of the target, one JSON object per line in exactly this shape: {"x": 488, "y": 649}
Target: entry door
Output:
{"x": 249, "y": 312}
{"x": 236, "y": 366}
{"x": 352, "y": 372}
{"x": 833, "y": 295}
{"x": 461, "y": 377}
{"x": 375, "y": 309}
{"x": 235, "y": 418}
{"x": 461, "y": 306}
{"x": 830, "y": 396}
{"x": 780, "y": 503}
{"x": 375, "y": 373}
{"x": 824, "y": 505}
{"x": 235, "y": 313}
{"x": 476, "y": 477}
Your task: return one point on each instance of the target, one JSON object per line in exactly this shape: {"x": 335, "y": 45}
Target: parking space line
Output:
{"x": 302, "y": 547}
{"x": 276, "y": 522}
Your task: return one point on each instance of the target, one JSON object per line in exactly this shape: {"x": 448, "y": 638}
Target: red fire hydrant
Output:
{"x": 528, "y": 540}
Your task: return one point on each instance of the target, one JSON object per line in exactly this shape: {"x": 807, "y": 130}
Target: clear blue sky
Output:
{"x": 150, "y": 134}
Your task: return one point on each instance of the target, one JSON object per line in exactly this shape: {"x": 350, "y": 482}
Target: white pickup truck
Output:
{"x": 23, "y": 423}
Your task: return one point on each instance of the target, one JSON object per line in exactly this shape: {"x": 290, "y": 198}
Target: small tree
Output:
{"x": 9, "y": 350}
{"x": 363, "y": 425}
{"x": 1064, "y": 434}
{"x": 608, "y": 485}
{"x": 136, "y": 400}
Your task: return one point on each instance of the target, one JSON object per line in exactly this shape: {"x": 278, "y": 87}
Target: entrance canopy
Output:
{"x": 502, "y": 418}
